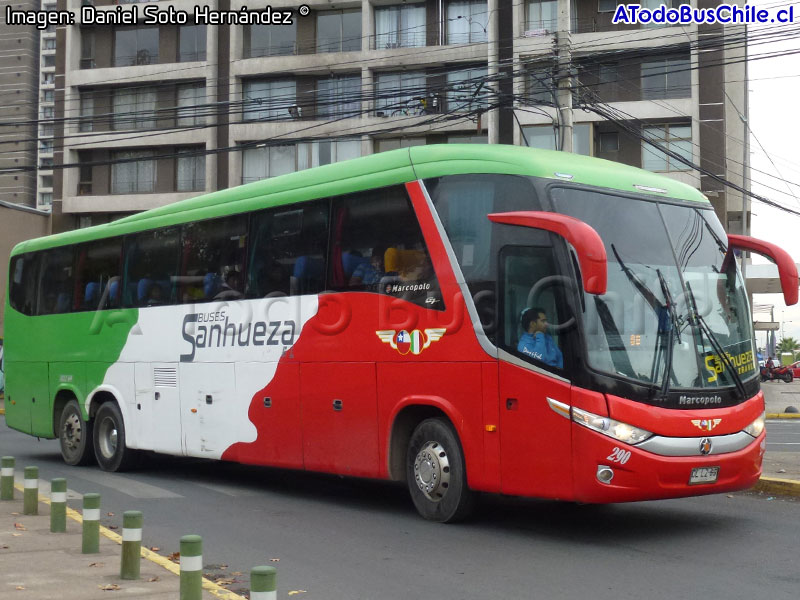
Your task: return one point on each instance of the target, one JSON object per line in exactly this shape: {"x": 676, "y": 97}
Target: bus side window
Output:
{"x": 151, "y": 267}
{"x": 57, "y": 283}
{"x": 377, "y": 246}
{"x": 533, "y": 305}
{"x": 22, "y": 280}
{"x": 212, "y": 260}
{"x": 98, "y": 267}
{"x": 288, "y": 252}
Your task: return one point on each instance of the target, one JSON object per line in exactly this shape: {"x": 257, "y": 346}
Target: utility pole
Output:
{"x": 745, "y": 155}
{"x": 564, "y": 74}
{"x": 493, "y": 120}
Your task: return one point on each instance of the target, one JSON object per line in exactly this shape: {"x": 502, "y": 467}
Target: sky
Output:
{"x": 774, "y": 121}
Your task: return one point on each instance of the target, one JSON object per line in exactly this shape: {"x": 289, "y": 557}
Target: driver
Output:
{"x": 535, "y": 341}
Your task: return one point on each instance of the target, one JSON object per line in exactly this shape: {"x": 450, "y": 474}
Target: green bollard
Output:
{"x": 7, "y": 478}
{"x": 131, "y": 544}
{"x": 91, "y": 524}
{"x": 31, "y": 495}
{"x": 262, "y": 583}
{"x": 191, "y": 567}
{"x": 58, "y": 505}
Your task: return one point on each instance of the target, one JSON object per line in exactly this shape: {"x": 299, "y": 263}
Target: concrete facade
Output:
{"x": 133, "y": 105}
{"x": 19, "y": 84}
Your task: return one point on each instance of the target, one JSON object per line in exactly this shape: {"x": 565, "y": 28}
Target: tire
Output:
{"x": 788, "y": 377}
{"x": 436, "y": 473}
{"x": 75, "y": 436}
{"x": 109, "y": 439}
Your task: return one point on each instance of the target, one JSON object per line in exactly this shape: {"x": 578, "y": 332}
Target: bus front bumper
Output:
{"x": 608, "y": 471}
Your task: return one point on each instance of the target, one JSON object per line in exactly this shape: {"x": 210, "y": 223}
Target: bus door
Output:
{"x": 158, "y": 407}
{"x": 534, "y": 438}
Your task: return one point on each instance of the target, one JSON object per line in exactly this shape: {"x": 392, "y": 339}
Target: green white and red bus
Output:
{"x": 365, "y": 319}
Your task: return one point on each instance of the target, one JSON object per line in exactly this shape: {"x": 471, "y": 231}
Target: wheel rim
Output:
{"x": 432, "y": 471}
{"x": 72, "y": 433}
{"x": 107, "y": 437}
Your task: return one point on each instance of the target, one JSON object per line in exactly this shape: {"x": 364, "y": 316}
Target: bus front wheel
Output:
{"x": 109, "y": 439}
{"x": 436, "y": 473}
{"x": 75, "y": 435}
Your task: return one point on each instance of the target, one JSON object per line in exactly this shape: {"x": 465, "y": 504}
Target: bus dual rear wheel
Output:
{"x": 75, "y": 435}
{"x": 109, "y": 439}
{"x": 436, "y": 473}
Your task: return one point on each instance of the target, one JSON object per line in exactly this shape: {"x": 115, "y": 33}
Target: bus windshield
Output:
{"x": 675, "y": 314}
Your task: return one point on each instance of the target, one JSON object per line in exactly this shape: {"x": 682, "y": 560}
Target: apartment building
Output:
{"x": 46, "y": 111}
{"x": 19, "y": 86}
{"x": 151, "y": 114}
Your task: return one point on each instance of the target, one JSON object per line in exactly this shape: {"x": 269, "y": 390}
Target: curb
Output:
{"x": 779, "y": 487}
{"x": 782, "y": 416}
{"x": 174, "y": 568}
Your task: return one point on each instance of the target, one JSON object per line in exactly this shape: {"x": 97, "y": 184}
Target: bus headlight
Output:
{"x": 756, "y": 427}
{"x": 614, "y": 429}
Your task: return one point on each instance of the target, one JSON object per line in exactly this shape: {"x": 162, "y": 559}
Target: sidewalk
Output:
{"x": 40, "y": 565}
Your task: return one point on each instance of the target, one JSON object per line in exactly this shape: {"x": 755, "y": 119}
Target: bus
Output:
{"x": 462, "y": 318}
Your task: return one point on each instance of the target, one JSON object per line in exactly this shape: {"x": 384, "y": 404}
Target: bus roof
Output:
{"x": 380, "y": 170}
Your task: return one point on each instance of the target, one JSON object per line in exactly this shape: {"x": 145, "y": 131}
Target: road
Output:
{"x": 783, "y": 436}
{"x": 344, "y": 539}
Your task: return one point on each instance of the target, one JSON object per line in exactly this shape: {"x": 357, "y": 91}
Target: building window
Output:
{"x": 607, "y": 5}
{"x": 540, "y": 85}
{"x": 401, "y": 26}
{"x": 674, "y": 138}
{"x": 467, "y": 139}
{"x": 191, "y": 43}
{"x": 135, "y": 46}
{"x": 49, "y": 44}
{"x": 400, "y": 93}
{"x": 87, "y": 112}
{"x": 46, "y": 163}
{"x": 339, "y": 97}
{"x": 47, "y": 112}
{"x": 133, "y": 172}
{"x": 47, "y": 181}
{"x": 339, "y": 31}
{"x": 46, "y": 146}
{"x": 270, "y": 40}
{"x": 265, "y": 100}
{"x": 84, "y": 173}
{"x": 46, "y": 130}
{"x": 467, "y": 22}
{"x": 87, "y": 49}
{"x": 48, "y": 60}
{"x": 607, "y": 79}
{"x": 545, "y": 137}
{"x": 48, "y": 78}
{"x": 46, "y": 198}
{"x": 191, "y": 101}
{"x": 191, "y": 175}
{"x": 48, "y": 96}
{"x": 466, "y": 89}
{"x": 330, "y": 151}
{"x": 134, "y": 108}
{"x": 542, "y": 15}
{"x": 668, "y": 78}
{"x": 382, "y": 145}
{"x": 609, "y": 141}
{"x": 261, "y": 163}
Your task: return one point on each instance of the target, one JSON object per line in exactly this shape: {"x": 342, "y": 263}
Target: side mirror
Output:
{"x": 586, "y": 241}
{"x": 787, "y": 269}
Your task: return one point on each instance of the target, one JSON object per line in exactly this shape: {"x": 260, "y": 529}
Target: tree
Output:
{"x": 788, "y": 344}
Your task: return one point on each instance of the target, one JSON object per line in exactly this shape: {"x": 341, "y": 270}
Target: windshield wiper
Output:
{"x": 696, "y": 318}
{"x": 661, "y": 310}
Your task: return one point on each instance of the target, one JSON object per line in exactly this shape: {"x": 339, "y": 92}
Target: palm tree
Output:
{"x": 788, "y": 344}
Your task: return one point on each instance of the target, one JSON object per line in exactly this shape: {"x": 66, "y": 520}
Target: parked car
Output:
{"x": 795, "y": 368}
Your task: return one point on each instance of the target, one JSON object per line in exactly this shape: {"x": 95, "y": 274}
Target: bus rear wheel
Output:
{"x": 75, "y": 435}
{"x": 436, "y": 473}
{"x": 109, "y": 439}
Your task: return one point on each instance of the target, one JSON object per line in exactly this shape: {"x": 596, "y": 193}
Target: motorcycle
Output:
{"x": 784, "y": 373}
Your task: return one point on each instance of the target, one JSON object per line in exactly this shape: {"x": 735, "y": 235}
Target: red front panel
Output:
{"x": 535, "y": 440}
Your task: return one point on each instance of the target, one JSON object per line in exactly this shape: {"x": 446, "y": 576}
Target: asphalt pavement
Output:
{"x": 42, "y": 565}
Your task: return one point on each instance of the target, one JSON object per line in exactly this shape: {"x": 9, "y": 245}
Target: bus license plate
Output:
{"x": 704, "y": 475}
